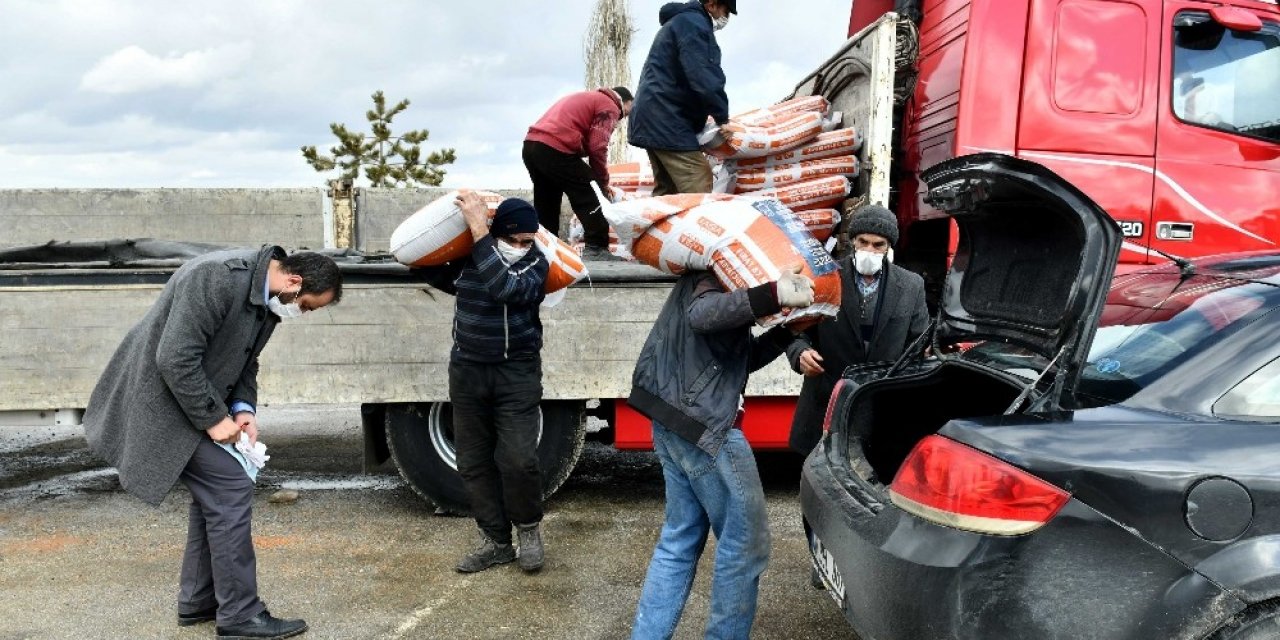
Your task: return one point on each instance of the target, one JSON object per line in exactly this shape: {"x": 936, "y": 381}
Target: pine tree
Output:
{"x": 387, "y": 160}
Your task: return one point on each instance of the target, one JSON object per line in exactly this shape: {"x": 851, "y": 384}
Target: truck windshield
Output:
{"x": 1227, "y": 80}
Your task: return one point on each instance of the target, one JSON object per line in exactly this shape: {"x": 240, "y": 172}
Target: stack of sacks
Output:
{"x": 437, "y": 233}
{"x": 745, "y": 241}
{"x": 789, "y": 151}
{"x": 770, "y": 130}
{"x": 632, "y": 179}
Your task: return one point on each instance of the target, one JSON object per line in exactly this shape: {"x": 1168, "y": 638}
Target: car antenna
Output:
{"x": 1187, "y": 268}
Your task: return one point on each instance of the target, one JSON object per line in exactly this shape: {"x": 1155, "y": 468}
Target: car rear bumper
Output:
{"x": 1080, "y": 576}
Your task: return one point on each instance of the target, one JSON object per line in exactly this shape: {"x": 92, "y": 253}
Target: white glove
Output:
{"x": 794, "y": 289}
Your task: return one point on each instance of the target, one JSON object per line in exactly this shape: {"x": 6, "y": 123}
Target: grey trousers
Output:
{"x": 219, "y": 568}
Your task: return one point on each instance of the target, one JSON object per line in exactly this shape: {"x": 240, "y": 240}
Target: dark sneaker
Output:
{"x": 486, "y": 555}
{"x": 530, "y": 547}
{"x": 263, "y": 625}
{"x": 596, "y": 254}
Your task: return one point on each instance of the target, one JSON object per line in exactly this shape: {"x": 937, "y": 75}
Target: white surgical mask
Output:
{"x": 721, "y": 22}
{"x": 868, "y": 263}
{"x": 286, "y": 311}
{"x": 511, "y": 254}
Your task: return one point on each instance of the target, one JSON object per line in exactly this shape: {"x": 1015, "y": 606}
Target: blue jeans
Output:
{"x": 720, "y": 494}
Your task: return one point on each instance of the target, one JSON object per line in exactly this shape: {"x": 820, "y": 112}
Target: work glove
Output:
{"x": 794, "y": 289}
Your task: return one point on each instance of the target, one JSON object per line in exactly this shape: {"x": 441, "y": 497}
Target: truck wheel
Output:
{"x": 420, "y": 440}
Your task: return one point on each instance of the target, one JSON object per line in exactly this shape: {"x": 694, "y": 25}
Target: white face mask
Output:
{"x": 511, "y": 254}
{"x": 721, "y": 22}
{"x": 869, "y": 263}
{"x": 286, "y": 311}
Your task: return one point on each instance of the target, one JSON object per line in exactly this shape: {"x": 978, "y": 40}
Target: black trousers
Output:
{"x": 219, "y": 567}
{"x": 556, "y": 174}
{"x": 495, "y": 430}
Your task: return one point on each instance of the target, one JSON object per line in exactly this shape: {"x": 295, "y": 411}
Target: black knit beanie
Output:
{"x": 876, "y": 219}
{"x": 514, "y": 216}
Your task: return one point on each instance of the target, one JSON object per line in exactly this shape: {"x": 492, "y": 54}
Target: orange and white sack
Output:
{"x": 437, "y": 233}
{"x": 820, "y": 222}
{"x": 791, "y": 173}
{"x": 774, "y": 136}
{"x": 577, "y": 240}
{"x": 631, "y": 176}
{"x": 840, "y": 142}
{"x": 819, "y": 193}
{"x": 785, "y": 108}
{"x": 744, "y": 241}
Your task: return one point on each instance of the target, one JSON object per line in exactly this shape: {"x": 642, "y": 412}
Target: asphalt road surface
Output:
{"x": 361, "y": 556}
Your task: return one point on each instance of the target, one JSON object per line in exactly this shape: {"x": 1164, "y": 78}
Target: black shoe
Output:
{"x": 261, "y": 626}
{"x": 196, "y": 617}
{"x": 486, "y": 555}
{"x": 597, "y": 254}
{"x": 530, "y": 547}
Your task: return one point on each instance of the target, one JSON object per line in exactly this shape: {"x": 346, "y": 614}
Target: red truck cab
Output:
{"x": 1165, "y": 112}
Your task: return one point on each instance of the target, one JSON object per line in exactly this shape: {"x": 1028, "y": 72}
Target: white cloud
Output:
{"x": 132, "y": 69}
{"x": 150, "y": 93}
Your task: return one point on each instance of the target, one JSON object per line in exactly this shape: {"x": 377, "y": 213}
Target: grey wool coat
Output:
{"x": 179, "y": 368}
{"x": 902, "y": 318}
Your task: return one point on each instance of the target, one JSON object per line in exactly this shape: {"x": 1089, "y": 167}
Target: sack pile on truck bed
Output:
{"x": 746, "y": 241}
{"x": 788, "y": 151}
{"x": 437, "y": 233}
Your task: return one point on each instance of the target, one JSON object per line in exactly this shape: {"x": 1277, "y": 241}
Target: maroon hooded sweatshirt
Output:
{"x": 581, "y": 124}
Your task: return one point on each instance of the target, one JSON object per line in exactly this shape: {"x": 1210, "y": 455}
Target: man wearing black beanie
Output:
{"x": 882, "y": 311}
{"x": 495, "y": 378}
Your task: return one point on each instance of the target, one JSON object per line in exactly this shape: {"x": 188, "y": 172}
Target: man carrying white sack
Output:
{"x": 185, "y": 381}
{"x": 495, "y": 377}
{"x": 690, "y": 380}
{"x": 881, "y": 313}
{"x": 578, "y": 125}
{"x": 681, "y": 86}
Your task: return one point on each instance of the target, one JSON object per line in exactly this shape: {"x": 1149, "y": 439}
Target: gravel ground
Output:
{"x": 361, "y": 556}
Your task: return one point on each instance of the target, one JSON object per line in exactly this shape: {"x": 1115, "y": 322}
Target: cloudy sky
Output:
{"x": 173, "y": 93}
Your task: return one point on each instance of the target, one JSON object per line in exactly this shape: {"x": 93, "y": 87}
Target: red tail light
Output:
{"x": 831, "y": 405}
{"x": 952, "y": 484}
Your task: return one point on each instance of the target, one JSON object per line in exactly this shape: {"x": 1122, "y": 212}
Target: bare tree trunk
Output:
{"x": 608, "y": 42}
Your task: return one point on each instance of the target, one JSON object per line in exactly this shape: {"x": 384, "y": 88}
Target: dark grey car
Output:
{"x": 1058, "y": 480}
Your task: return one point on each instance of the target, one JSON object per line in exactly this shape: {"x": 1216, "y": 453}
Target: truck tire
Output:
{"x": 420, "y": 440}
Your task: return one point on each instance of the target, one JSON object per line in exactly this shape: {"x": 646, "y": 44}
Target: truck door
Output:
{"x": 1089, "y": 102}
{"x": 1218, "y": 140}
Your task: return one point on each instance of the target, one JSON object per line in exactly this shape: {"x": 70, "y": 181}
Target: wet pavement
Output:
{"x": 361, "y": 556}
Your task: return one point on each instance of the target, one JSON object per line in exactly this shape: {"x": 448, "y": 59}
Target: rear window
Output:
{"x": 1142, "y": 342}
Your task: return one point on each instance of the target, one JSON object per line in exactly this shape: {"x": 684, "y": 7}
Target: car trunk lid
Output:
{"x": 1034, "y": 259}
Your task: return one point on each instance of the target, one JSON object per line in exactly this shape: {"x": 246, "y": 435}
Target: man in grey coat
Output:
{"x": 183, "y": 381}
{"x": 882, "y": 311}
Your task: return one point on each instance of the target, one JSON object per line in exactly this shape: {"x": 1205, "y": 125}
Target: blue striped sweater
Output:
{"x": 496, "y": 313}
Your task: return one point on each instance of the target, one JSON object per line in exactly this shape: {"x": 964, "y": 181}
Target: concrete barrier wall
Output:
{"x": 380, "y": 211}
{"x": 248, "y": 217}
{"x": 293, "y": 218}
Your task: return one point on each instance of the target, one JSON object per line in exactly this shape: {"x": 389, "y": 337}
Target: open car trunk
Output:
{"x": 888, "y": 417}
{"x": 1031, "y": 269}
